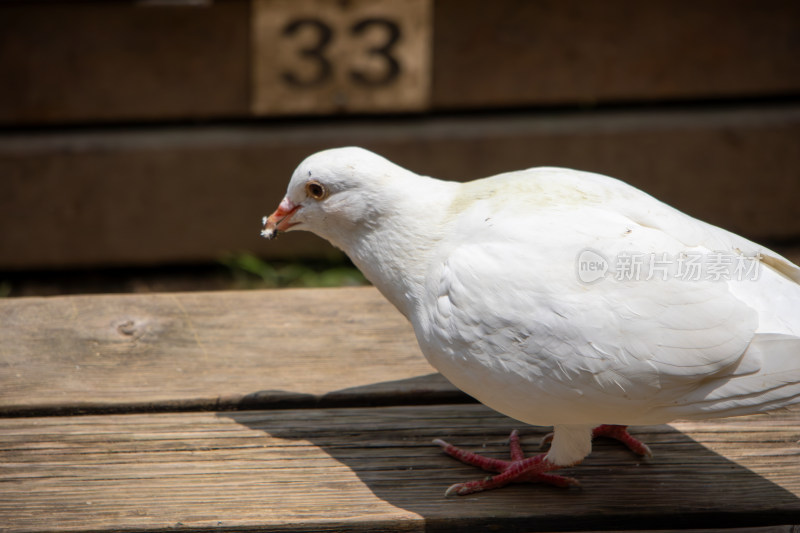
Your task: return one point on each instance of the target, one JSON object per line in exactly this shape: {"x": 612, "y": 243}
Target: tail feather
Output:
{"x": 767, "y": 379}
{"x": 783, "y": 266}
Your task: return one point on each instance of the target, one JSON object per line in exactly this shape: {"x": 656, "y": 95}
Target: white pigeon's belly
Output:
{"x": 531, "y": 393}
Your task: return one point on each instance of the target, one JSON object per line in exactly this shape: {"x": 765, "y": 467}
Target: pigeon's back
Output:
{"x": 760, "y": 277}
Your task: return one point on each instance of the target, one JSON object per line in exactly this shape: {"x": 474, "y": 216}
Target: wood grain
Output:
{"x": 345, "y": 461}
{"x": 361, "y": 469}
{"x": 210, "y": 351}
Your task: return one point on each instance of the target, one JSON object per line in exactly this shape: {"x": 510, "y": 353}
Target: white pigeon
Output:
{"x": 561, "y": 298}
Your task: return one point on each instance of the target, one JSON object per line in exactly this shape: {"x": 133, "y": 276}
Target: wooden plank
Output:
{"x": 150, "y": 196}
{"x": 83, "y": 60}
{"x": 216, "y": 350}
{"x": 366, "y": 469}
{"x": 320, "y": 57}
{"x": 514, "y": 53}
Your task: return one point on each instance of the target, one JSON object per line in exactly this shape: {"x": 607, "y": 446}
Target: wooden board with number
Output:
{"x": 79, "y": 61}
{"x": 317, "y": 56}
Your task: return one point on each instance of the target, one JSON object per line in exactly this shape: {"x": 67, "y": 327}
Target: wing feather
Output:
{"x": 510, "y": 308}
{"x": 513, "y": 325}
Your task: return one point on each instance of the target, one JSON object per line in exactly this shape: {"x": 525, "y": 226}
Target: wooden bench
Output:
{"x": 300, "y": 410}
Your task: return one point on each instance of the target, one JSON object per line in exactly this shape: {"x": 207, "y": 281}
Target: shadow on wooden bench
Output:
{"x": 685, "y": 485}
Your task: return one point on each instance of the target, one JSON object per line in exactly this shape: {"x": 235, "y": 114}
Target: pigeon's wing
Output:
{"x": 506, "y": 303}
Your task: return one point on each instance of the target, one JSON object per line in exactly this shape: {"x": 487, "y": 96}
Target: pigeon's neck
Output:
{"x": 396, "y": 252}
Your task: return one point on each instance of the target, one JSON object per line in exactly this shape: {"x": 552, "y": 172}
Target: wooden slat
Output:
{"x": 512, "y": 53}
{"x": 210, "y": 350}
{"x": 367, "y": 469}
{"x": 83, "y": 61}
{"x": 151, "y": 196}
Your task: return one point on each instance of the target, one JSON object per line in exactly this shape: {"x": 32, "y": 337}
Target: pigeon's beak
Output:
{"x": 280, "y": 220}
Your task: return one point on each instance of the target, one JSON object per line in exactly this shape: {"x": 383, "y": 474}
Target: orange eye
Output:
{"x": 316, "y": 190}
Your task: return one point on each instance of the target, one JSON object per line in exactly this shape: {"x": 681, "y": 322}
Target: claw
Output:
{"x": 454, "y": 490}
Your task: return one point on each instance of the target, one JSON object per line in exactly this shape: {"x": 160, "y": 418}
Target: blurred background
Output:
{"x": 142, "y": 141}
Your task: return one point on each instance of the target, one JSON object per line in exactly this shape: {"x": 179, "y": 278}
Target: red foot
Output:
{"x": 621, "y": 434}
{"x": 519, "y": 468}
{"x": 615, "y": 432}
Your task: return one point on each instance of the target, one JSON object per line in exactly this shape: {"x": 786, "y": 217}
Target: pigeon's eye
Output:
{"x": 316, "y": 190}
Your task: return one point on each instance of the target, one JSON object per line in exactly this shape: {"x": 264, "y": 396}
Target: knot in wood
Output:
{"x": 127, "y": 327}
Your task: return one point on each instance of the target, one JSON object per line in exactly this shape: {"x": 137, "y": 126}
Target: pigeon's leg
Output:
{"x": 519, "y": 468}
{"x": 615, "y": 432}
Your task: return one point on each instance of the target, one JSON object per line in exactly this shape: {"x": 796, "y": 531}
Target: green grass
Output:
{"x": 235, "y": 271}
{"x": 251, "y": 272}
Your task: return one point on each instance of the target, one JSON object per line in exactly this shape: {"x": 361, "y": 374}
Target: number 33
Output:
{"x": 323, "y": 37}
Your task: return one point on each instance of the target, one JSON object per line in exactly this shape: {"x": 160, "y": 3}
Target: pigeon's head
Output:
{"x": 334, "y": 193}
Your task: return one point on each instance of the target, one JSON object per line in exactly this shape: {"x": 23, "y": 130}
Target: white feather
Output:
{"x": 486, "y": 273}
